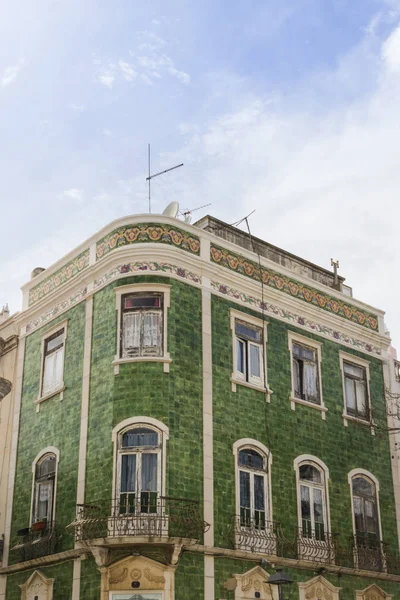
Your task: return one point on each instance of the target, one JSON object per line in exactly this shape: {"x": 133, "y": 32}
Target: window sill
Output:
{"x": 138, "y": 359}
{"x": 59, "y": 390}
{"x": 323, "y": 410}
{"x": 347, "y": 418}
{"x": 260, "y": 388}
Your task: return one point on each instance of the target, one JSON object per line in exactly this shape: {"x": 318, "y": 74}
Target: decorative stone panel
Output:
{"x": 373, "y": 592}
{"x": 295, "y": 289}
{"x": 252, "y": 582}
{"x": 149, "y": 574}
{"x": 318, "y": 588}
{"x": 147, "y": 232}
{"x": 38, "y": 587}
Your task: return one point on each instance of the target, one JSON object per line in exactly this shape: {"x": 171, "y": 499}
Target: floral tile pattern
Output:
{"x": 56, "y": 310}
{"x": 143, "y": 267}
{"x": 66, "y": 273}
{"x": 147, "y": 232}
{"x": 295, "y": 319}
{"x": 287, "y": 285}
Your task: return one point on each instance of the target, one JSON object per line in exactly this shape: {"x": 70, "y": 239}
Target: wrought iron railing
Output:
{"x": 254, "y": 534}
{"x": 314, "y": 545}
{"x": 35, "y": 543}
{"x": 151, "y": 517}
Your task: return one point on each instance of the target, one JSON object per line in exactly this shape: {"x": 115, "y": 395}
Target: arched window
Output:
{"x": 313, "y": 515}
{"x": 253, "y": 503}
{"x": 44, "y": 487}
{"x": 368, "y": 551}
{"x": 366, "y": 522}
{"x": 140, "y": 464}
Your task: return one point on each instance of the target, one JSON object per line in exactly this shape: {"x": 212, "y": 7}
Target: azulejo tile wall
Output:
{"x": 297, "y": 320}
{"x": 287, "y": 285}
{"x": 66, "y": 273}
{"x": 147, "y": 232}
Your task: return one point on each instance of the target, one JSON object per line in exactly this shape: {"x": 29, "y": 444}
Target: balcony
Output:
{"x": 36, "y": 542}
{"x": 255, "y": 534}
{"x": 151, "y": 519}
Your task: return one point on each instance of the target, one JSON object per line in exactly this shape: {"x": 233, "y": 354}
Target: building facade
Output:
{"x": 8, "y": 355}
{"x": 193, "y": 409}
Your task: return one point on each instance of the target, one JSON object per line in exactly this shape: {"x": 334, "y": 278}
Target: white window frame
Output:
{"x": 137, "y": 288}
{"x": 249, "y": 443}
{"x": 38, "y": 458}
{"x": 296, "y": 338}
{"x": 308, "y": 459}
{"x": 61, "y": 387}
{"x": 236, "y": 377}
{"x": 354, "y": 473}
{"x": 117, "y": 434}
{"x": 359, "y": 362}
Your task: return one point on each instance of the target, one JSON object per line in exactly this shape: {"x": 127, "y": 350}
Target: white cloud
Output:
{"x": 106, "y": 78}
{"x": 127, "y": 71}
{"x": 74, "y": 194}
{"x": 391, "y": 50}
{"x": 107, "y": 132}
{"x": 77, "y": 107}
{"x": 11, "y": 73}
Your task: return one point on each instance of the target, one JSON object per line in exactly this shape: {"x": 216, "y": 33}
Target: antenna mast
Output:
{"x": 150, "y": 177}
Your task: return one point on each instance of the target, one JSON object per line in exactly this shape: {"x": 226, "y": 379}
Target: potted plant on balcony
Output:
{"x": 39, "y": 526}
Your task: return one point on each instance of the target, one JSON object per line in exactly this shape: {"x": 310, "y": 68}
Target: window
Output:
{"x": 368, "y": 549}
{"x": 140, "y": 465}
{"x": 355, "y": 385}
{"x": 312, "y": 502}
{"x": 313, "y": 506}
{"x": 142, "y": 325}
{"x": 249, "y": 352}
{"x": 253, "y": 487}
{"x": 356, "y": 396}
{"x": 53, "y": 362}
{"x": 305, "y": 358}
{"x": 305, "y": 373}
{"x": 248, "y": 340}
{"x": 365, "y": 508}
{"x": 44, "y": 469}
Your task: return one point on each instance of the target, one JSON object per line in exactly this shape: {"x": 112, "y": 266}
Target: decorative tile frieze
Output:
{"x": 143, "y": 267}
{"x": 147, "y": 232}
{"x": 56, "y": 310}
{"x": 295, "y": 289}
{"x": 63, "y": 275}
{"x": 296, "y": 320}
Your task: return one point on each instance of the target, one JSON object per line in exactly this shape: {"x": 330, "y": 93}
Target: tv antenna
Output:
{"x": 186, "y": 213}
{"x": 150, "y": 177}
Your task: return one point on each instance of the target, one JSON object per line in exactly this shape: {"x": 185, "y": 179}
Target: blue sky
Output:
{"x": 288, "y": 107}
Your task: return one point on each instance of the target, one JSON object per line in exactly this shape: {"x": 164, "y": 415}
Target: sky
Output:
{"x": 290, "y": 108}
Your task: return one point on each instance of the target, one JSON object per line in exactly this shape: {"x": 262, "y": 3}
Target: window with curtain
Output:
{"x": 139, "y": 484}
{"x": 44, "y": 489}
{"x": 53, "y": 362}
{"x": 305, "y": 373}
{"x": 253, "y": 488}
{"x": 355, "y": 385}
{"x": 312, "y": 500}
{"x": 141, "y": 325}
{"x": 249, "y": 352}
{"x": 365, "y": 509}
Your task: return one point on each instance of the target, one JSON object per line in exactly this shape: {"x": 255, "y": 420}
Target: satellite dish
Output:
{"x": 171, "y": 210}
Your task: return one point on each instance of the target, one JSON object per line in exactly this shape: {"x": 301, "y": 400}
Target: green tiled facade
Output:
{"x": 147, "y": 389}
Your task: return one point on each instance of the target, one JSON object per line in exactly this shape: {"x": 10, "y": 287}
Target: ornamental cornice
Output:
{"x": 141, "y": 229}
{"x": 152, "y": 258}
{"x": 291, "y": 286}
